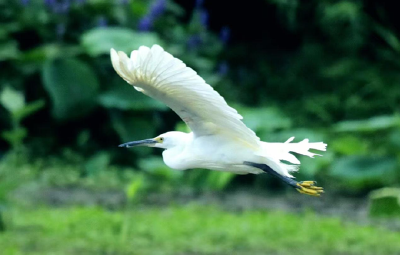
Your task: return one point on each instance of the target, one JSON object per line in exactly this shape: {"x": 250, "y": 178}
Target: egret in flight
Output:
{"x": 219, "y": 139}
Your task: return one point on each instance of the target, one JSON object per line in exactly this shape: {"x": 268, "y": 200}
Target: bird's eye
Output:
{"x": 161, "y": 139}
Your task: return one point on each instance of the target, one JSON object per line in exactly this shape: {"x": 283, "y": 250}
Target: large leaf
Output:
{"x": 364, "y": 171}
{"x": 349, "y": 145}
{"x": 50, "y": 51}
{"x": 369, "y": 125}
{"x": 264, "y": 118}
{"x": 100, "y": 40}
{"x": 72, "y": 86}
{"x": 310, "y": 167}
{"x": 124, "y": 97}
{"x": 385, "y": 202}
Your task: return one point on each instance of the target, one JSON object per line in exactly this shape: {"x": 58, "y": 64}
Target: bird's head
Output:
{"x": 166, "y": 141}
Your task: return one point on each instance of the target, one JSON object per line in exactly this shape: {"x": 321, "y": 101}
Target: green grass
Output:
{"x": 191, "y": 229}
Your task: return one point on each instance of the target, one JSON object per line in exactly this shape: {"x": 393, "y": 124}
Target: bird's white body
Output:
{"x": 219, "y": 139}
{"x": 222, "y": 154}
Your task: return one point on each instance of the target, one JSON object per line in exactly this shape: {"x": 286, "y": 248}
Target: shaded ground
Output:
{"x": 233, "y": 200}
{"x": 348, "y": 208}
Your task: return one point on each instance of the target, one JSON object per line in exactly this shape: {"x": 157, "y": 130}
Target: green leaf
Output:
{"x": 310, "y": 167}
{"x": 8, "y": 50}
{"x": 218, "y": 180}
{"x": 385, "y": 202}
{"x": 364, "y": 171}
{"x": 369, "y": 125}
{"x": 264, "y": 119}
{"x": 100, "y": 40}
{"x": 133, "y": 188}
{"x": 28, "y": 109}
{"x": 157, "y": 167}
{"x": 182, "y": 127}
{"x": 349, "y": 145}
{"x": 72, "y": 86}
{"x": 97, "y": 163}
{"x": 125, "y": 97}
{"x": 12, "y": 100}
{"x": 394, "y": 139}
{"x": 50, "y": 51}
{"x": 132, "y": 127}
{"x": 16, "y": 136}
{"x": 388, "y": 36}
{"x": 342, "y": 10}
{"x": 83, "y": 138}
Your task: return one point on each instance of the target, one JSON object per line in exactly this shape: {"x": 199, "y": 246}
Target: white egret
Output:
{"x": 219, "y": 139}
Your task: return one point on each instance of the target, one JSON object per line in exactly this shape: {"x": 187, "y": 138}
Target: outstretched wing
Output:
{"x": 159, "y": 75}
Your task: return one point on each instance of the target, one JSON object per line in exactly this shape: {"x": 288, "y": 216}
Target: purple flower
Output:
{"x": 223, "y": 68}
{"x": 146, "y": 23}
{"x": 194, "y": 41}
{"x": 50, "y": 3}
{"x": 225, "y": 34}
{"x": 58, "y": 6}
{"x": 204, "y": 18}
{"x": 157, "y": 8}
{"x": 65, "y": 6}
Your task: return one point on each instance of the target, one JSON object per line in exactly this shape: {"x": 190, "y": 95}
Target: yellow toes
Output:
{"x": 309, "y": 188}
{"x": 307, "y": 183}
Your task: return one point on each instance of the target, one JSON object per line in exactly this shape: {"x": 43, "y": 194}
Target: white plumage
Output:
{"x": 219, "y": 139}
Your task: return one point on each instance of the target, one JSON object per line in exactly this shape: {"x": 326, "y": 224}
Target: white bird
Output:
{"x": 219, "y": 139}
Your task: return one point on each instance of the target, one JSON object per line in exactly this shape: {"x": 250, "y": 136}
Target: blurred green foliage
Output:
{"x": 336, "y": 82}
{"x": 14, "y": 102}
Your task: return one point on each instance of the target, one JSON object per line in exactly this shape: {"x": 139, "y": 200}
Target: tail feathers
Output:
{"x": 278, "y": 152}
{"x": 304, "y": 146}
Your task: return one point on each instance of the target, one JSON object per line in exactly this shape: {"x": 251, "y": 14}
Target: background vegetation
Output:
{"x": 324, "y": 70}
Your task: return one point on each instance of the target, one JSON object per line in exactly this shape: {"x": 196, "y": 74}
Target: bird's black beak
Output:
{"x": 146, "y": 142}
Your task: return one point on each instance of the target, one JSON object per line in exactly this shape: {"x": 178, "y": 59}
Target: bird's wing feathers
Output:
{"x": 159, "y": 75}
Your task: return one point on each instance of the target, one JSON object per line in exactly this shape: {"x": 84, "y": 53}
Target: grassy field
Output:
{"x": 187, "y": 230}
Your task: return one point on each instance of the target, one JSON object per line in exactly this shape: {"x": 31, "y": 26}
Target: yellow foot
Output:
{"x": 309, "y": 188}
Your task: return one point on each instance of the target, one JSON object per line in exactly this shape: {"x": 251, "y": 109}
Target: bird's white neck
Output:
{"x": 172, "y": 155}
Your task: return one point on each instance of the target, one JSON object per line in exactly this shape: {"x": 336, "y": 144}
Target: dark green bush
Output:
{"x": 332, "y": 77}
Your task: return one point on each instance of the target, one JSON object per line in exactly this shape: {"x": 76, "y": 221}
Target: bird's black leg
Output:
{"x": 305, "y": 187}
{"x": 269, "y": 170}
